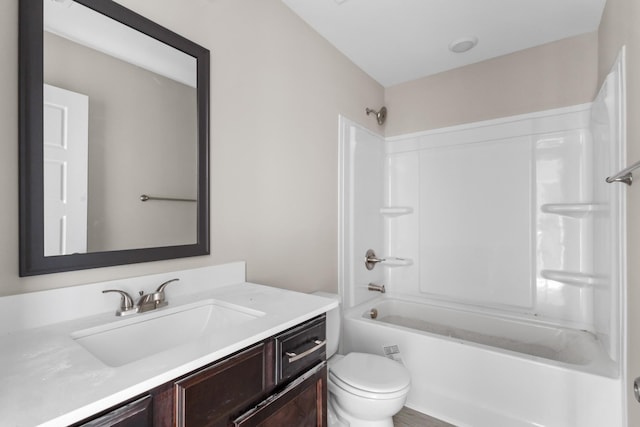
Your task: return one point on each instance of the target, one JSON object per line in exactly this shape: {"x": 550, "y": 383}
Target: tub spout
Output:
{"x": 378, "y": 288}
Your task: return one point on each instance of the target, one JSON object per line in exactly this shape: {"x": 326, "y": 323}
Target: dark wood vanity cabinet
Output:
{"x": 281, "y": 381}
{"x": 210, "y": 396}
{"x": 137, "y": 413}
{"x": 278, "y": 382}
{"x": 300, "y": 396}
{"x": 301, "y": 404}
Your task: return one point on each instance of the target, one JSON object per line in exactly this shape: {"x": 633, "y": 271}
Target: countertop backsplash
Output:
{"x": 36, "y": 309}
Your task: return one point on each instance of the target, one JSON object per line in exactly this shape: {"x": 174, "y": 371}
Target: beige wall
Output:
{"x": 550, "y": 76}
{"x": 620, "y": 26}
{"x": 277, "y": 88}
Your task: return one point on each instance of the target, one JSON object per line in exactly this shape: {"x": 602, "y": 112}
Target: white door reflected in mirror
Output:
{"x": 66, "y": 130}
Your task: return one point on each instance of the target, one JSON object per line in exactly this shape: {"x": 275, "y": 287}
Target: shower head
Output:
{"x": 381, "y": 115}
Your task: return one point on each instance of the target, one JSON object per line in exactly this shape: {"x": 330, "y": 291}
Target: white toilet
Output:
{"x": 365, "y": 390}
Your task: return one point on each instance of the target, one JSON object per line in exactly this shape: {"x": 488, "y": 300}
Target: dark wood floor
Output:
{"x": 407, "y": 417}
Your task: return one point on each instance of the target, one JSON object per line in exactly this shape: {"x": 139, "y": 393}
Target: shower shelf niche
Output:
{"x": 576, "y": 210}
{"x": 391, "y": 211}
{"x": 573, "y": 278}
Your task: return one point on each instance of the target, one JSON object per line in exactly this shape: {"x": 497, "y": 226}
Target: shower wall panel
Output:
{"x": 362, "y": 188}
{"x": 475, "y": 222}
{"x": 564, "y": 233}
{"x": 608, "y": 124}
{"x": 483, "y": 225}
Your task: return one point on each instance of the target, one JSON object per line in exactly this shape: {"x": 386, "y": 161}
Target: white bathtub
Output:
{"x": 472, "y": 369}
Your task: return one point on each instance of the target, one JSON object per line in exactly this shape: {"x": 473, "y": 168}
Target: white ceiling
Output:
{"x": 395, "y": 41}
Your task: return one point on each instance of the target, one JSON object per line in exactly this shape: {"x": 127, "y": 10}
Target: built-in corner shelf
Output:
{"x": 391, "y": 211}
{"x": 576, "y": 210}
{"x": 397, "y": 262}
{"x": 573, "y": 278}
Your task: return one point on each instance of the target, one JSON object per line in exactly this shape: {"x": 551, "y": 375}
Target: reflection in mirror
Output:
{"x": 65, "y": 156}
{"x": 122, "y": 112}
{"x": 142, "y": 136}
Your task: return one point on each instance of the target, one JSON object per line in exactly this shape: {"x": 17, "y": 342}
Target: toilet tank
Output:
{"x": 333, "y": 324}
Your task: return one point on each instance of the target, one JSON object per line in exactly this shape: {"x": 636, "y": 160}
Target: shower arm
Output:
{"x": 625, "y": 174}
{"x": 381, "y": 115}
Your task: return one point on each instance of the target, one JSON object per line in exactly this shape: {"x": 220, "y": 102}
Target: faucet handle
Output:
{"x": 370, "y": 259}
{"x": 158, "y": 296}
{"x": 126, "y": 302}
{"x": 164, "y": 285}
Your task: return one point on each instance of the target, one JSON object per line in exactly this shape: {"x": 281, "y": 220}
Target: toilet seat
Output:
{"x": 370, "y": 376}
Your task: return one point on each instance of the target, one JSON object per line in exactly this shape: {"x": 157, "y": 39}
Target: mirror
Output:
{"x": 113, "y": 138}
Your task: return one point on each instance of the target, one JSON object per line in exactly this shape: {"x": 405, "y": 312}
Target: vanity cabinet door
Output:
{"x": 211, "y": 397}
{"x": 303, "y": 403}
{"x": 135, "y": 414}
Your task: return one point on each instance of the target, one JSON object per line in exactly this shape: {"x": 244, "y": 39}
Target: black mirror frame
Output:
{"x": 31, "y": 191}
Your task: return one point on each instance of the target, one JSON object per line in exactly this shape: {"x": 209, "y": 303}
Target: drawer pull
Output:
{"x": 294, "y": 357}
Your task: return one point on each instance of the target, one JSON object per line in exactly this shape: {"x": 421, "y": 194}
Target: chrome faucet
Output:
{"x": 155, "y": 300}
{"x": 146, "y": 302}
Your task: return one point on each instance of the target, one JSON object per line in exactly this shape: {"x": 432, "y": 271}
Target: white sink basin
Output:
{"x": 146, "y": 334}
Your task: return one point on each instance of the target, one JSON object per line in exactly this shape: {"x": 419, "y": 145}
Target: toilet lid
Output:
{"x": 370, "y": 373}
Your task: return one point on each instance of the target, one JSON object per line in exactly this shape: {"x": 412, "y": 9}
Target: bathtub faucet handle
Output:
{"x": 370, "y": 259}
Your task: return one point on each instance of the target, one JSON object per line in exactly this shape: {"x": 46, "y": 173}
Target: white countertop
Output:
{"x": 47, "y": 378}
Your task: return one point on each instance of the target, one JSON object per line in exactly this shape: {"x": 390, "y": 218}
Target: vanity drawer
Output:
{"x": 300, "y": 348}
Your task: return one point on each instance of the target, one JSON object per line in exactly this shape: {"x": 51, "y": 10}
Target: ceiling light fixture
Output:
{"x": 463, "y": 44}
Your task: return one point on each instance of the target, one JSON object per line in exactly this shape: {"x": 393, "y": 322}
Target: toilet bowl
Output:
{"x": 365, "y": 390}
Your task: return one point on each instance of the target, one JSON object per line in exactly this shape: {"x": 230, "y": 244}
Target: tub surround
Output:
{"x": 48, "y": 379}
{"x": 507, "y": 219}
